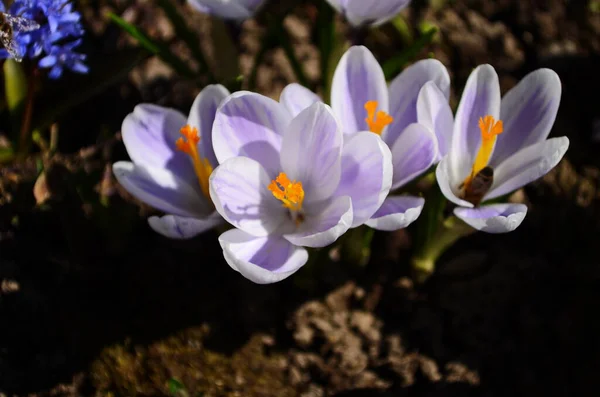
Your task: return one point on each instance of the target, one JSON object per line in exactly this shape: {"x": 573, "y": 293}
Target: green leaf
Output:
{"x": 176, "y": 388}
{"x": 285, "y": 41}
{"x": 394, "y": 65}
{"x": 188, "y": 36}
{"x": 159, "y": 49}
{"x": 59, "y": 97}
{"x": 225, "y": 51}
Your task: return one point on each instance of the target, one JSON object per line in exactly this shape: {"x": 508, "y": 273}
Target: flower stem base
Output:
{"x": 447, "y": 234}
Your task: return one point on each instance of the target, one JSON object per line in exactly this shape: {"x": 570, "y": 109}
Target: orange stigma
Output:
{"x": 376, "y": 121}
{"x": 290, "y": 193}
{"x": 188, "y": 144}
{"x": 490, "y": 129}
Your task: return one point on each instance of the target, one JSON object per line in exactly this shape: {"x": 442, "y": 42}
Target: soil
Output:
{"x": 92, "y": 302}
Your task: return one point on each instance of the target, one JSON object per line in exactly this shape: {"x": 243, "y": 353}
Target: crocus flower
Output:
{"x": 362, "y": 101}
{"x": 172, "y": 159}
{"x": 365, "y": 12}
{"x": 497, "y": 145}
{"x": 287, "y": 183}
{"x": 228, "y": 9}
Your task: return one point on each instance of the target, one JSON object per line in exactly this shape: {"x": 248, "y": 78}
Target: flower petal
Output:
{"x": 366, "y": 174}
{"x": 161, "y": 189}
{"x": 397, "y": 212}
{"x": 238, "y": 188}
{"x": 178, "y": 227}
{"x": 227, "y": 9}
{"x": 263, "y": 260}
{"x": 404, "y": 92}
{"x": 496, "y": 218}
{"x": 358, "y": 78}
{"x": 359, "y": 12}
{"x": 296, "y": 98}
{"x": 250, "y": 125}
{"x": 480, "y": 98}
{"x": 149, "y": 135}
{"x": 413, "y": 153}
{"x": 528, "y": 112}
{"x": 527, "y": 165}
{"x": 323, "y": 223}
{"x": 311, "y": 151}
{"x": 202, "y": 116}
{"x": 433, "y": 111}
{"x": 447, "y": 186}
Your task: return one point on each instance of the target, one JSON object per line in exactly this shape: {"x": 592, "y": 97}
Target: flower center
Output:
{"x": 490, "y": 129}
{"x": 290, "y": 193}
{"x": 376, "y": 120}
{"x": 188, "y": 144}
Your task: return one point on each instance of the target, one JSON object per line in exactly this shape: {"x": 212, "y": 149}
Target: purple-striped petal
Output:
{"x": 239, "y": 190}
{"x": 433, "y": 111}
{"x": 358, "y": 78}
{"x": 149, "y": 135}
{"x": 250, "y": 125}
{"x": 404, "y": 92}
{"x": 397, "y": 212}
{"x": 202, "y": 117}
{"x": 447, "y": 186}
{"x": 366, "y": 174}
{"x": 227, "y": 9}
{"x": 324, "y": 223}
{"x": 480, "y": 98}
{"x": 528, "y": 112}
{"x": 311, "y": 152}
{"x": 263, "y": 260}
{"x": 527, "y": 165}
{"x": 178, "y": 227}
{"x": 413, "y": 153}
{"x": 162, "y": 190}
{"x": 296, "y": 98}
{"x": 496, "y": 218}
{"x": 360, "y": 12}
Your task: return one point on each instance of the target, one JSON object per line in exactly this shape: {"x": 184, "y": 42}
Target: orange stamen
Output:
{"x": 290, "y": 193}
{"x": 376, "y": 121}
{"x": 490, "y": 129}
{"x": 188, "y": 144}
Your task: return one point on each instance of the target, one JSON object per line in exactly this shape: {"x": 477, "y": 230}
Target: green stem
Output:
{"x": 25, "y": 136}
{"x": 448, "y": 232}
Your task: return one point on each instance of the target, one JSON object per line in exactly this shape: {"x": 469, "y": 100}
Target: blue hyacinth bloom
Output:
{"x": 53, "y": 44}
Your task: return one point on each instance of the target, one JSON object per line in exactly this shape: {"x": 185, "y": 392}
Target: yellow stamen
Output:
{"x": 289, "y": 192}
{"x": 490, "y": 129}
{"x": 189, "y": 145}
{"x": 376, "y": 121}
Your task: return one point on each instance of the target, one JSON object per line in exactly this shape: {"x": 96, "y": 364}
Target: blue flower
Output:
{"x": 54, "y": 43}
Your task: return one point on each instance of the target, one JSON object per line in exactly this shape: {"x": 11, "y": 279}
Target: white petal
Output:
{"x": 480, "y": 98}
{"x": 397, "y": 212}
{"x": 296, "y": 98}
{"x": 496, "y": 218}
{"x": 324, "y": 225}
{"x": 447, "y": 186}
{"x": 358, "y": 78}
{"x": 202, "y": 116}
{"x": 311, "y": 151}
{"x": 162, "y": 190}
{"x": 527, "y": 165}
{"x": 433, "y": 111}
{"x": 239, "y": 190}
{"x": 177, "y": 227}
{"x": 263, "y": 260}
